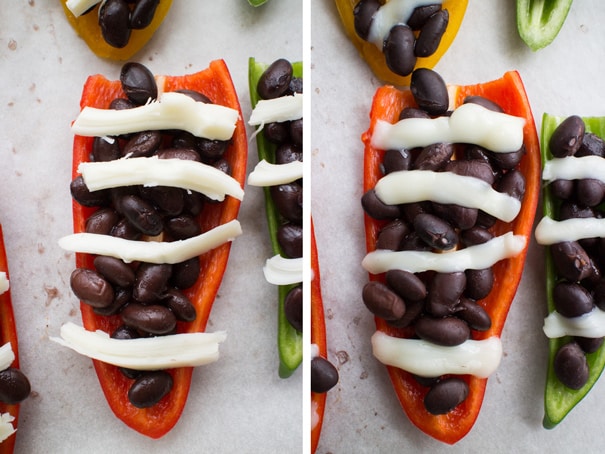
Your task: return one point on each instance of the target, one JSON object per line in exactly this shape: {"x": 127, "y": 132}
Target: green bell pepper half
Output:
{"x": 559, "y": 400}
{"x": 289, "y": 340}
{"x": 257, "y": 2}
{"x": 539, "y": 21}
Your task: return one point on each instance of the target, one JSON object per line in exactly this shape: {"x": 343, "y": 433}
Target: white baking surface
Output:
{"x": 235, "y": 405}
{"x": 363, "y": 414}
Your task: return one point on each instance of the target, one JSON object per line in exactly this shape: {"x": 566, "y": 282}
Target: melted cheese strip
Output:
{"x": 152, "y": 171}
{"x": 469, "y": 123}
{"x": 591, "y": 324}
{"x": 4, "y": 284}
{"x": 267, "y": 174}
{"x": 475, "y": 257}
{"x": 548, "y": 231}
{"x": 6, "y": 426}
{"x": 149, "y": 353}
{"x": 572, "y": 168}
{"x": 79, "y": 7}
{"x": 173, "y": 111}
{"x": 406, "y": 186}
{"x": 151, "y": 251}
{"x": 283, "y": 271}
{"x": 7, "y": 356}
{"x": 284, "y": 108}
{"x": 478, "y": 358}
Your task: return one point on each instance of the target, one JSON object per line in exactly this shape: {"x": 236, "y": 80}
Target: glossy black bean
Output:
{"x": 589, "y": 344}
{"x": 458, "y": 216}
{"x": 183, "y": 227}
{"x": 287, "y": 152}
{"x": 324, "y": 376}
{"x": 570, "y": 366}
{"x": 382, "y": 301}
{"x": 195, "y": 95}
{"x": 288, "y": 200}
{"x": 599, "y": 294}
{"x": 473, "y": 168}
{"x": 590, "y": 191}
{"x": 434, "y": 157}
{"x": 14, "y": 386}
{"x": 142, "y": 13}
{"x": 293, "y": 307}
{"x": 407, "y": 285}
{"x": 395, "y": 160}
{"x": 513, "y": 184}
{"x": 181, "y": 306}
{"x": 571, "y": 261}
{"x": 275, "y": 80}
{"x": 187, "y": 153}
{"x": 420, "y": 15}
{"x": 507, "y": 161}
{"x": 566, "y": 139}
{"x": 290, "y": 239}
{"x": 572, "y": 300}
{"x": 150, "y": 388}
{"x": 429, "y": 91}
{"x": 474, "y": 315}
{"x": 431, "y": 33}
{"x": 376, "y": 208}
{"x": 81, "y": 194}
{"x": 211, "y": 150}
{"x": 571, "y": 210}
{"x": 125, "y": 332}
{"x": 592, "y": 145}
{"x": 124, "y": 229}
{"x": 475, "y": 152}
{"x": 296, "y": 131}
{"x": 411, "y": 210}
{"x": 479, "y": 283}
{"x": 91, "y": 288}
{"x": 391, "y": 235}
{"x": 138, "y": 83}
{"x": 152, "y": 319}
{"x": 413, "y": 242}
{"x": 169, "y": 200}
{"x": 151, "y": 282}
{"x": 144, "y": 143}
{"x": 475, "y": 235}
{"x": 445, "y": 395}
{"x": 413, "y": 112}
{"x": 121, "y": 297}
{"x": 102, "y": 221}
{"x": 363, "y": 13}
{"x": 105, "y": 149}
{"x": 185, "y": 274}
{"x": 121, "y": 104}
{"x": 277, "y": 132}
{"x": 446, "y": 331}
{"x": 142, "y": 215}
{"x": 444, "y": 293}
{"x": 398, "y": 50}
{"x": 435, "y": 232}
{"x": 483, "y": 102}
{"x": 114, "y": 270}
{"x": 114, "y": 21}
{"x": 413, "y": 310}
{"x": 296, "y": 85}
{"x": 562, "y": 189}
{"x": 224, "y": 166}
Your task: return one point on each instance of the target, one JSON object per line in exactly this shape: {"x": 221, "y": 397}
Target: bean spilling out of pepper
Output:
{"x": 411, "y": 38}
{"x": 442, "y": 308}
{"x": 148, "y": 298}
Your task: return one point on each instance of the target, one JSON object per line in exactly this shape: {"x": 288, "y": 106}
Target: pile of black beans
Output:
{"x": 443, "y": 308}
{"x": 407, "y": 41}
{"x": 580, "y": 285}
{"x": 148, "y": 298}
{"x": 117, "y": 19}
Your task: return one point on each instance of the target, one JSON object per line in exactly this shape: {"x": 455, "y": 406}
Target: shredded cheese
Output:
{"x": 591, "y": 324}
{"x": 267, "y": 174}
{"x": 284, "y": 108}
{"x": 6, "y": 426}
{"x": 574, "y": 168}
{"x": 79, "y": 7}
{"x": 548, "y": 231}
{"x": 283, "y": 271}
{"x": 7, "y": 356}
{"x": 4, "y": 283}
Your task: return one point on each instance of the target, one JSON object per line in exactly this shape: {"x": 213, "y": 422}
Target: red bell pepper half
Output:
{"x": 215, "y": 82}
{"x": 509, "y": 93}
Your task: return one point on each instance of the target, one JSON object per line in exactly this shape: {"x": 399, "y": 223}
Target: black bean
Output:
{"x": 153, "y": 319}
{"x": 296, "y": 131}
{"x": 474, "y": 315}
{"x": 445, "y": 395}
{"x": 589, "y": 344}
{"x": 324, "y": 375}
{"x": 572, "y": 300}
{"x": 144, "y": 143}
{"x": 122, "y": 296}
{"x": 195, "y": 95}
{"x": 363, "y": 13}
{"x": 121, "y": 104}
{"x": 457, "y": 215}
{"x": 413, "y": 310}
{"x": 413, "y": 112}
{"x": 114, "y": 270}
{"x": 224, "y": 166}
{"x": 138, "y": 83}
{"x": 290, "y": 239}
{"x": 277, "y": 132}
{"x": 296, "y": 85}
{"x": 14, "y": 386}
{"x": 169, "y": 200}
{"x": 444, "y": 292}
{"x": 293, "y": 307}
{"x": 124, "y": 332}
{"x": 395, "y": 160}
{"x": 398, "y": 50}
{"x": 420, "y": 15}
{"x": 475, "y": 235}
{"x": 571, "y": 261}
{"x": 183, "y": 227}
{"x": 114, "y": 21}
{"x": 105, "y": 149}
{"x": 434, "y": 157}
{"x": 124, "y": 229}
{"x": 592, "y": 145}
{"x": 562, "y": 189}
{"x": 566, "y": 139}
{"x": 141, "y": 214}
{"x": 181, "y": 306}
{"x": 508, "y": 161}
{"x": 275, "y": 80}
{"x": 473, "y": 168}
{"x": 81, "y": 194}
{"x": 570, "y": 366}
{"x": 288, "y": 200}
{"x": 102, "y": 221}
{"x": 211, "y": 150}
{"x": 483, "y": 102}
{"x": 435, "y": 232}
{"x": 150, "y": 388}
{"x": 407, "y": 285}
{"x": 429, "y": 91}
{"x": 513, "y": 184}
{"x": 411, "y": 210}
{"x": 142, "y": 13}
{"x": 447, "y": 331}
{"x": 589, "y": 191}
{"x": 391, "y": 235}
{"x": 382, "y": 301}
{"x": 151, "y": 282}
{"x": 479, "y": 283}
{"x": 413, "y": 242}
{"x": 287, "y": 152}
{"x": 185, "y": 274}
{"x": 571, "y": 210}
{"x": 599, "y": 294}
{"x": 91, "y": 288}
{"x": 187, "y": 153}
{"x": 431, "y": 33}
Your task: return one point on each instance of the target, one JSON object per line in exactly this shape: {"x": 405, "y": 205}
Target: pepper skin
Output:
{"x": 8, "y": 333}
{"x": 374, "y": 56}
{"x": 539, "y": 22}
{"x": 215, "y": 82}
{"x": 558, "y": 399}
{"x": 87, "y": 26}
{"x": 289, "y": 340}
{"x": 509, "y": 93}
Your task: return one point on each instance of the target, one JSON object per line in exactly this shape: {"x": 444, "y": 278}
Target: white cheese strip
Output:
{"x": 591, "y": 324}
{"x": 548, "y": 231}
{"x": 149, "y": 353}
{"x": 479, "y": 358}
{"x": 406, "y": 186}
{"x": 152, "y": 171}
{"x": 392, "y": 13}
{"x": 151, "y": 251}
{"x": 572, "y": 168}
{"x": 282, "y": 271}
{"x": 475, "y": 257}
{"x": 6, "y": 426}
{"x": 7, "y": 356}
{"x": 284, "y": 108}
{"x": 4, "y": 283}
{"x": 469, "y": 123}
{"x": 267, "y": 174}
{"x": 79, "y": 7}
{"x": 173, "y": 111}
